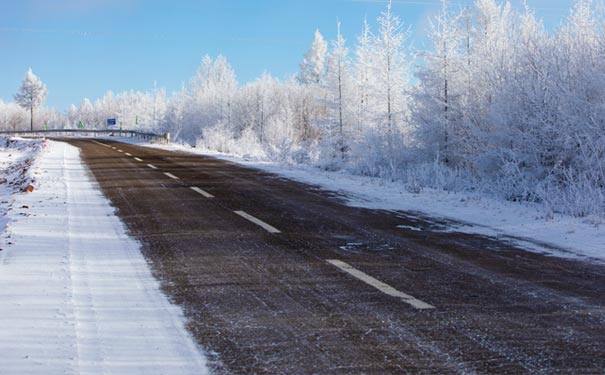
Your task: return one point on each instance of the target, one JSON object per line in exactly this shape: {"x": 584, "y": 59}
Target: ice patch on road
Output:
{"x": 77, "y": 296}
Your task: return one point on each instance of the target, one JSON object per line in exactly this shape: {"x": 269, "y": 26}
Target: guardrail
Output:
{"x": 165, "y": 138}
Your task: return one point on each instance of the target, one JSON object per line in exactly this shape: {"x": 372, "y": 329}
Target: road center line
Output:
{"x": 137, "y": 159}
{"x": 102, "y": 144}
{"x": 171, "y": 176}
{"x": 152, "y": 166}
{"x": 121, "y": 151}
{"x": 202, "y": 192}
{"x": 258, "y": 222}
{"x": 127, "y": 154}
{"x": 385, "y": 288}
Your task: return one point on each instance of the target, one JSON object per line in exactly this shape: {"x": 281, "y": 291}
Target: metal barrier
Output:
{"x": 165, "y": 138}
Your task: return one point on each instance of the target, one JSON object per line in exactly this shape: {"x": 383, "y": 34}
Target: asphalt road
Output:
{"x": 319, "y": 287}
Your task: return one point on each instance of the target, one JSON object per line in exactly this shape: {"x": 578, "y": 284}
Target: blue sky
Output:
{"x": 82, "y": 48}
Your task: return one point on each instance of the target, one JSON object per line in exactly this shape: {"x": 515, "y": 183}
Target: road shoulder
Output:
{"x": 77, "y": 294}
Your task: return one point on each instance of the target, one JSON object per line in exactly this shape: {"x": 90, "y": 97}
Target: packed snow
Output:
{"x": 522, "y": 224}
{"x": 77, "y": 295}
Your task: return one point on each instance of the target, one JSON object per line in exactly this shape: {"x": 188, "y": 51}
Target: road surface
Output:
{"x": 281, "y": 277}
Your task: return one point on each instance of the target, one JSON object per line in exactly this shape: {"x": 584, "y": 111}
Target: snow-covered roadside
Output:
{"x": 76, "y": 294}
{"x": 521, "y": 224}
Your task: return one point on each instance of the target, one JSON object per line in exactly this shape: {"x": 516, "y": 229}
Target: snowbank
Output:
{"x": 16, "y": 158}
{"x": 77, "y": 295}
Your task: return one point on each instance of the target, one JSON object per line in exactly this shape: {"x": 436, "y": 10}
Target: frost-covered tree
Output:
{"x": 72, "y": 116}
{"x": 31, "y": 95}
{"x": 173, "y": 118}
{"x": 389, "y": 81}
{"x": 313, "y": 67}
{"x": 209, "y": 98}
{"x": 363, "y": 65}
{"x": 52, "y": 119}
{"x": 257, "y": 105}
{"x": 12, "y": 116}
{"x": 440, "y": 95}
{"x": 159, "y": 105}
{"x": 86, "y": 114}
{"x": 339, "y": 93}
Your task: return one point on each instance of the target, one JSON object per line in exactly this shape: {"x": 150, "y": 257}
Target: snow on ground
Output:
{"x": 524, "y": 225}
{"x": 16, "y": 159}
{"x": 77, "y": 296}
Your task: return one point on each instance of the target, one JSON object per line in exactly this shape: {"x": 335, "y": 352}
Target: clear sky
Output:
{"x": 82, "y": 48}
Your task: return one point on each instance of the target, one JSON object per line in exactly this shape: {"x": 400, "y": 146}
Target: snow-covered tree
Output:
{"x": 159, "y": 105}
{"x": 390, "y": 70}
{"x": 12, "y": 116}
{"x": 257, "y": 104}
{"x": 173, "y": 119}
{"x": 339, "y": 93}
{"x": 209, "y": 98}
{"x": 31, "y": 95}
{"x": 87, "y": 115}
{"x": 312, "y": 68}
{"x": 363, "y": 65}
{"x": 442, "y": 90}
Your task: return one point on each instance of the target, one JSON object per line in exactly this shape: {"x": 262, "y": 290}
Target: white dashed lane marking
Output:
{"x": 385, "y": 288}
{"x": 137, "y": 159}
{"x": 202, "y": 192}
{"x": 171, "y": 176}
{"x": 121, "y": 151}
{"x": 102, "y": 144}
{"x": 152, "y": 166}
{"x": 127, "y": 154}
{"x": 258, "y": 222}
